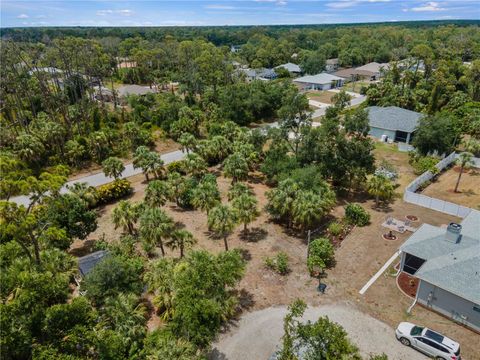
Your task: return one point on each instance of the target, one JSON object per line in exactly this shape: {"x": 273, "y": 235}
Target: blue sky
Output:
{"x": 222, "y": 12}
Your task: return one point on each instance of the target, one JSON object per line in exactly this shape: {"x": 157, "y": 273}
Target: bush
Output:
{"x": 279, "y": 263}
{"x": 113, "y": 191}
{"x": 321, "y": 255}
{"x": 422, "y": 164}
{"x": 387, "y": 170}
{"x": 176, "y": 166}
{"x": 356, "y": 215}
{"x": 335, "y": 228}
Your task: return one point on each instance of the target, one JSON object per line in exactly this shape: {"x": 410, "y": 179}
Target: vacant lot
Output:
{"x": 469, "y": 188}
{"x": 321, "y": 96}
{"x": 359, "y": 257}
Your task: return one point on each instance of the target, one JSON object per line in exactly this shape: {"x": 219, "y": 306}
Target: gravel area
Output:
{"x": 257, "y": 334}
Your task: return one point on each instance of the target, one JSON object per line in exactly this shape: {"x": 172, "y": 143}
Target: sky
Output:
{"x": 22, "y": 13}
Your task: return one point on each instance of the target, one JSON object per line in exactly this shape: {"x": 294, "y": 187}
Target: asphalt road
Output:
{"x": 257, "y": 334}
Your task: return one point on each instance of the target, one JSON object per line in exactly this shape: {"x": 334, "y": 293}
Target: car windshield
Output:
{"x": 434, "y": 336}
{"x": 416, "y": 330}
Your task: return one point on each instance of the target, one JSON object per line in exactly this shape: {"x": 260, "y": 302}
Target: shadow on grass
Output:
{"x": 253, "y": 235}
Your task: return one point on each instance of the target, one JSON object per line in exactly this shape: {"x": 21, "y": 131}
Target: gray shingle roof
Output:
{"x": 88, "y": 262}
{"x": 393, "y": 118}
{"x": 134, "y": 90}
{"x": 322, "y": 78}
{"x": 374, "y": 67}
{"x": 291, "y": 67}
{"x": 454, "y": 267}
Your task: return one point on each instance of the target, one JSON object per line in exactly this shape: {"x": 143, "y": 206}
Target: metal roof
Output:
{"x": 322, "y": 78}
{"x": 393, "y": 118}
{"x": 88, "y": 262}
{"x": 454, "y": 267}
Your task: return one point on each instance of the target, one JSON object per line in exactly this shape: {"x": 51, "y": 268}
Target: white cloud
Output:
{"x": 123, "y": 12}
{"x": 23, "y": 16}
{"x": 429, "y": 6}
{"x": 277, "y": 2}
{"x": 343, "y": 4}
{"x": 219, "y": 7}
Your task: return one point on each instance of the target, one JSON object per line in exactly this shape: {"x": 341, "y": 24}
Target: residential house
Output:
{"x": 125, "y": 63}
{"x": 235, "y": 48}
{"x": 292, "y": 68}
{"x": 446, "y": 263}
{"x": 331, "y": 65}
{"x": 322, "y": 81}
{"x": 352, "y": 74}
{"x": 374, "y": 70}
{"x": 393, "y": 123}
{"x": 87, "y": 263}
{"x": 127, "y": 90}
{"x": 257, "y": 74}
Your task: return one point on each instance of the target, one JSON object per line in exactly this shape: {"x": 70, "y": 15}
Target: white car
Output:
{"x": 428, "y": 341}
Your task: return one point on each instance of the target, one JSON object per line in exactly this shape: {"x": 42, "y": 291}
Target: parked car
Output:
{"x": 428, "y": 341}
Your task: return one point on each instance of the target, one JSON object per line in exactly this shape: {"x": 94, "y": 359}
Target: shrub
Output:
{"x": 356, "y": 215}
{"x": 176, "y": 166}
{"x": 335, "y": 228}
{"x": 387, "y": 170}
{"x": 321, "y": 255}
{"x": 113, "y": 191}
{"x": 422, "y": 164}
{"x": 278, "y": 263}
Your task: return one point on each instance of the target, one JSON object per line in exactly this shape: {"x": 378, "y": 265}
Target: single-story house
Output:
{"x": 257, "y": 74}
{"x": 352, "y": 74}
{"x": 392, "y": 122}
{"x": 126, "y": 90}
{"x": 447, "y": 264}
{"x": 235, "y": 48}
{"x": 331, "y": 65}
{"x": 291, "y": 67}
{"x": 322, "y": 81}
{"x": 87, "y": 263}
{"x": 373, "y": 69}
{"x": 103, "y": 93}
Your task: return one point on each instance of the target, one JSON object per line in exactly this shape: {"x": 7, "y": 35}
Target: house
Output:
{"x": 352, "y": 74}
{"x": 235, "y": 48}
{"x": 88, "y": 262}
{"x": 331, "y": 65}
{"x": 322, "y": 81}
{"x": 291, "y": 68}
{"x": 103, "y": 93}
{"x": 374, "y": 70}
{"x": 446, "y": 263}
{"x": 392, "y": 122}
{"x": 257, "y": 74}
{"x": 127, "y": 90}
{"x": 125, "y": 63}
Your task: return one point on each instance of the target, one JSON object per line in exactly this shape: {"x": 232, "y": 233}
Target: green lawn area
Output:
{"x": 355, "y": 87}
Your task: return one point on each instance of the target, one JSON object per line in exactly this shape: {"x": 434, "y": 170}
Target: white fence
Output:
{"x": 446, "y": 207}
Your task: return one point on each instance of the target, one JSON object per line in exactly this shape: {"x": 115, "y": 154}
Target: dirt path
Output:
{"x": 258, "y": 333}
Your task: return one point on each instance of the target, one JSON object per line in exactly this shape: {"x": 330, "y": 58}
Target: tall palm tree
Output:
{"x": 280, "y": 200}
{"x": 195, "y": 165}
{"x": 188, "y": 142}
{"x": 157, "y": 193}
{"x": 236, "y": 167}
{"x": 221, "y": 220}
{"x": 381, "y": 188}
{"x": 125, "y": 215}
{"x": 238, "y": 189}
{"x": 464, "y": 160}
{"x": 307, "y": 208}
{"x": 155, "y": 225}
{"x": 245, "y": 207}
{"x": 181, "y": 239}
{"x": 205, "y": 196}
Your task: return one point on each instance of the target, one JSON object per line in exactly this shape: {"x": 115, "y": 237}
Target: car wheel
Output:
{"x": 405, "y": 341}
{"x": 439, "y": 358}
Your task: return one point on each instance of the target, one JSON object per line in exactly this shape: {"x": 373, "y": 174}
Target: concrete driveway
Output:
{"x": 257, "y": 334}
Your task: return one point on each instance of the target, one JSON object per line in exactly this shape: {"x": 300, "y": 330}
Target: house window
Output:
{"x": 401, "y": 136}
{"x": 476, "y": 308}
{"x": 412, "y": 264}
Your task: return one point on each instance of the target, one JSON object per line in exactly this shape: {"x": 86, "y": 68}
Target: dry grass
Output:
{"x": 468, "y": 191}
{"x": 321, "y": 96}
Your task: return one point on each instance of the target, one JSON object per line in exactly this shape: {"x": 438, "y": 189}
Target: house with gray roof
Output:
{"x": 393, "y": 123}
{"x": 87, "y": 263}
{"x": 447, "y": 264}
{"x": 291, "y": 68}
{"x": 127, "y": 90}
{"x": 322, "y": 81}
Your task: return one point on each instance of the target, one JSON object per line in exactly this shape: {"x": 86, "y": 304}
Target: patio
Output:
{"x": 398, "y": 225}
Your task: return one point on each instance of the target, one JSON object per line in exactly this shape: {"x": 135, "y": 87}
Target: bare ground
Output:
{"x": 468, "y": 190}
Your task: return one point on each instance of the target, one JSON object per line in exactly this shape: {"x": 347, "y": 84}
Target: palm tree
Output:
{"x": 221, "y": 220}
{"x": 380, "y": 187}
{"x": 126, "y": 215}
{"x": 236, "y": 167}
{"x": 113, "y": 167}
{"x": 307, "y": 208}
{"x": 157, "y": 193}
{"x": 205, "y": 196}
{"x": 181, "y": 239}
{"x": 280, "y": 200}
{"x": 188, "y": 142}
{"x": 464, "y": 160}
{"x": 140, "y": 159}
{"x": 245, "y": 207}
{"x": 238, "y": 189}
{"x": 155, "y": 225}
{"x": 195, "y": 165}
{"x": 148, "y": 161}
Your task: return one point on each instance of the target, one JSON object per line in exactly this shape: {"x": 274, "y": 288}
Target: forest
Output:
{"x": 54, "y": 126}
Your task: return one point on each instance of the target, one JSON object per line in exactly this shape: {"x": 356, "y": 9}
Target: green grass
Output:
{"x": 358, "y": 86}
{"x": 385, "y": 147}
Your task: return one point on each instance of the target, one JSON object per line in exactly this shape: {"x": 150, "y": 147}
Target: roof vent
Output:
{"x": 453, "y": 233}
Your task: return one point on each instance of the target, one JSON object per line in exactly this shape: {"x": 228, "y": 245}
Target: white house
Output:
{"x": 291, "y": 67}
{"x": 322, "y": 81}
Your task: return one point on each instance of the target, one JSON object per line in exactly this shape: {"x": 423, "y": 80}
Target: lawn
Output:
{"x": 320, "y": 96}
{"x": 468, "y": 191}
{"x": 355, "y": 86}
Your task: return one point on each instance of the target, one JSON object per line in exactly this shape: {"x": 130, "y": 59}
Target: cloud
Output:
{"x": 123, "y": 12}
{"x": 343, "y": 4}
{"x": 23, "y": 16}
{"x": 429, "y": 6}
{"x": 277, "y": 2}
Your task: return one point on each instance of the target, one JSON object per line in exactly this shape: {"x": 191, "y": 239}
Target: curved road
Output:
{"x": 257, "y": 334}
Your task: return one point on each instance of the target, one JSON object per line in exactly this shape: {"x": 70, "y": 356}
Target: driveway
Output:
{"x": 100, "y": 178}
{"x": 257, "y": 334}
